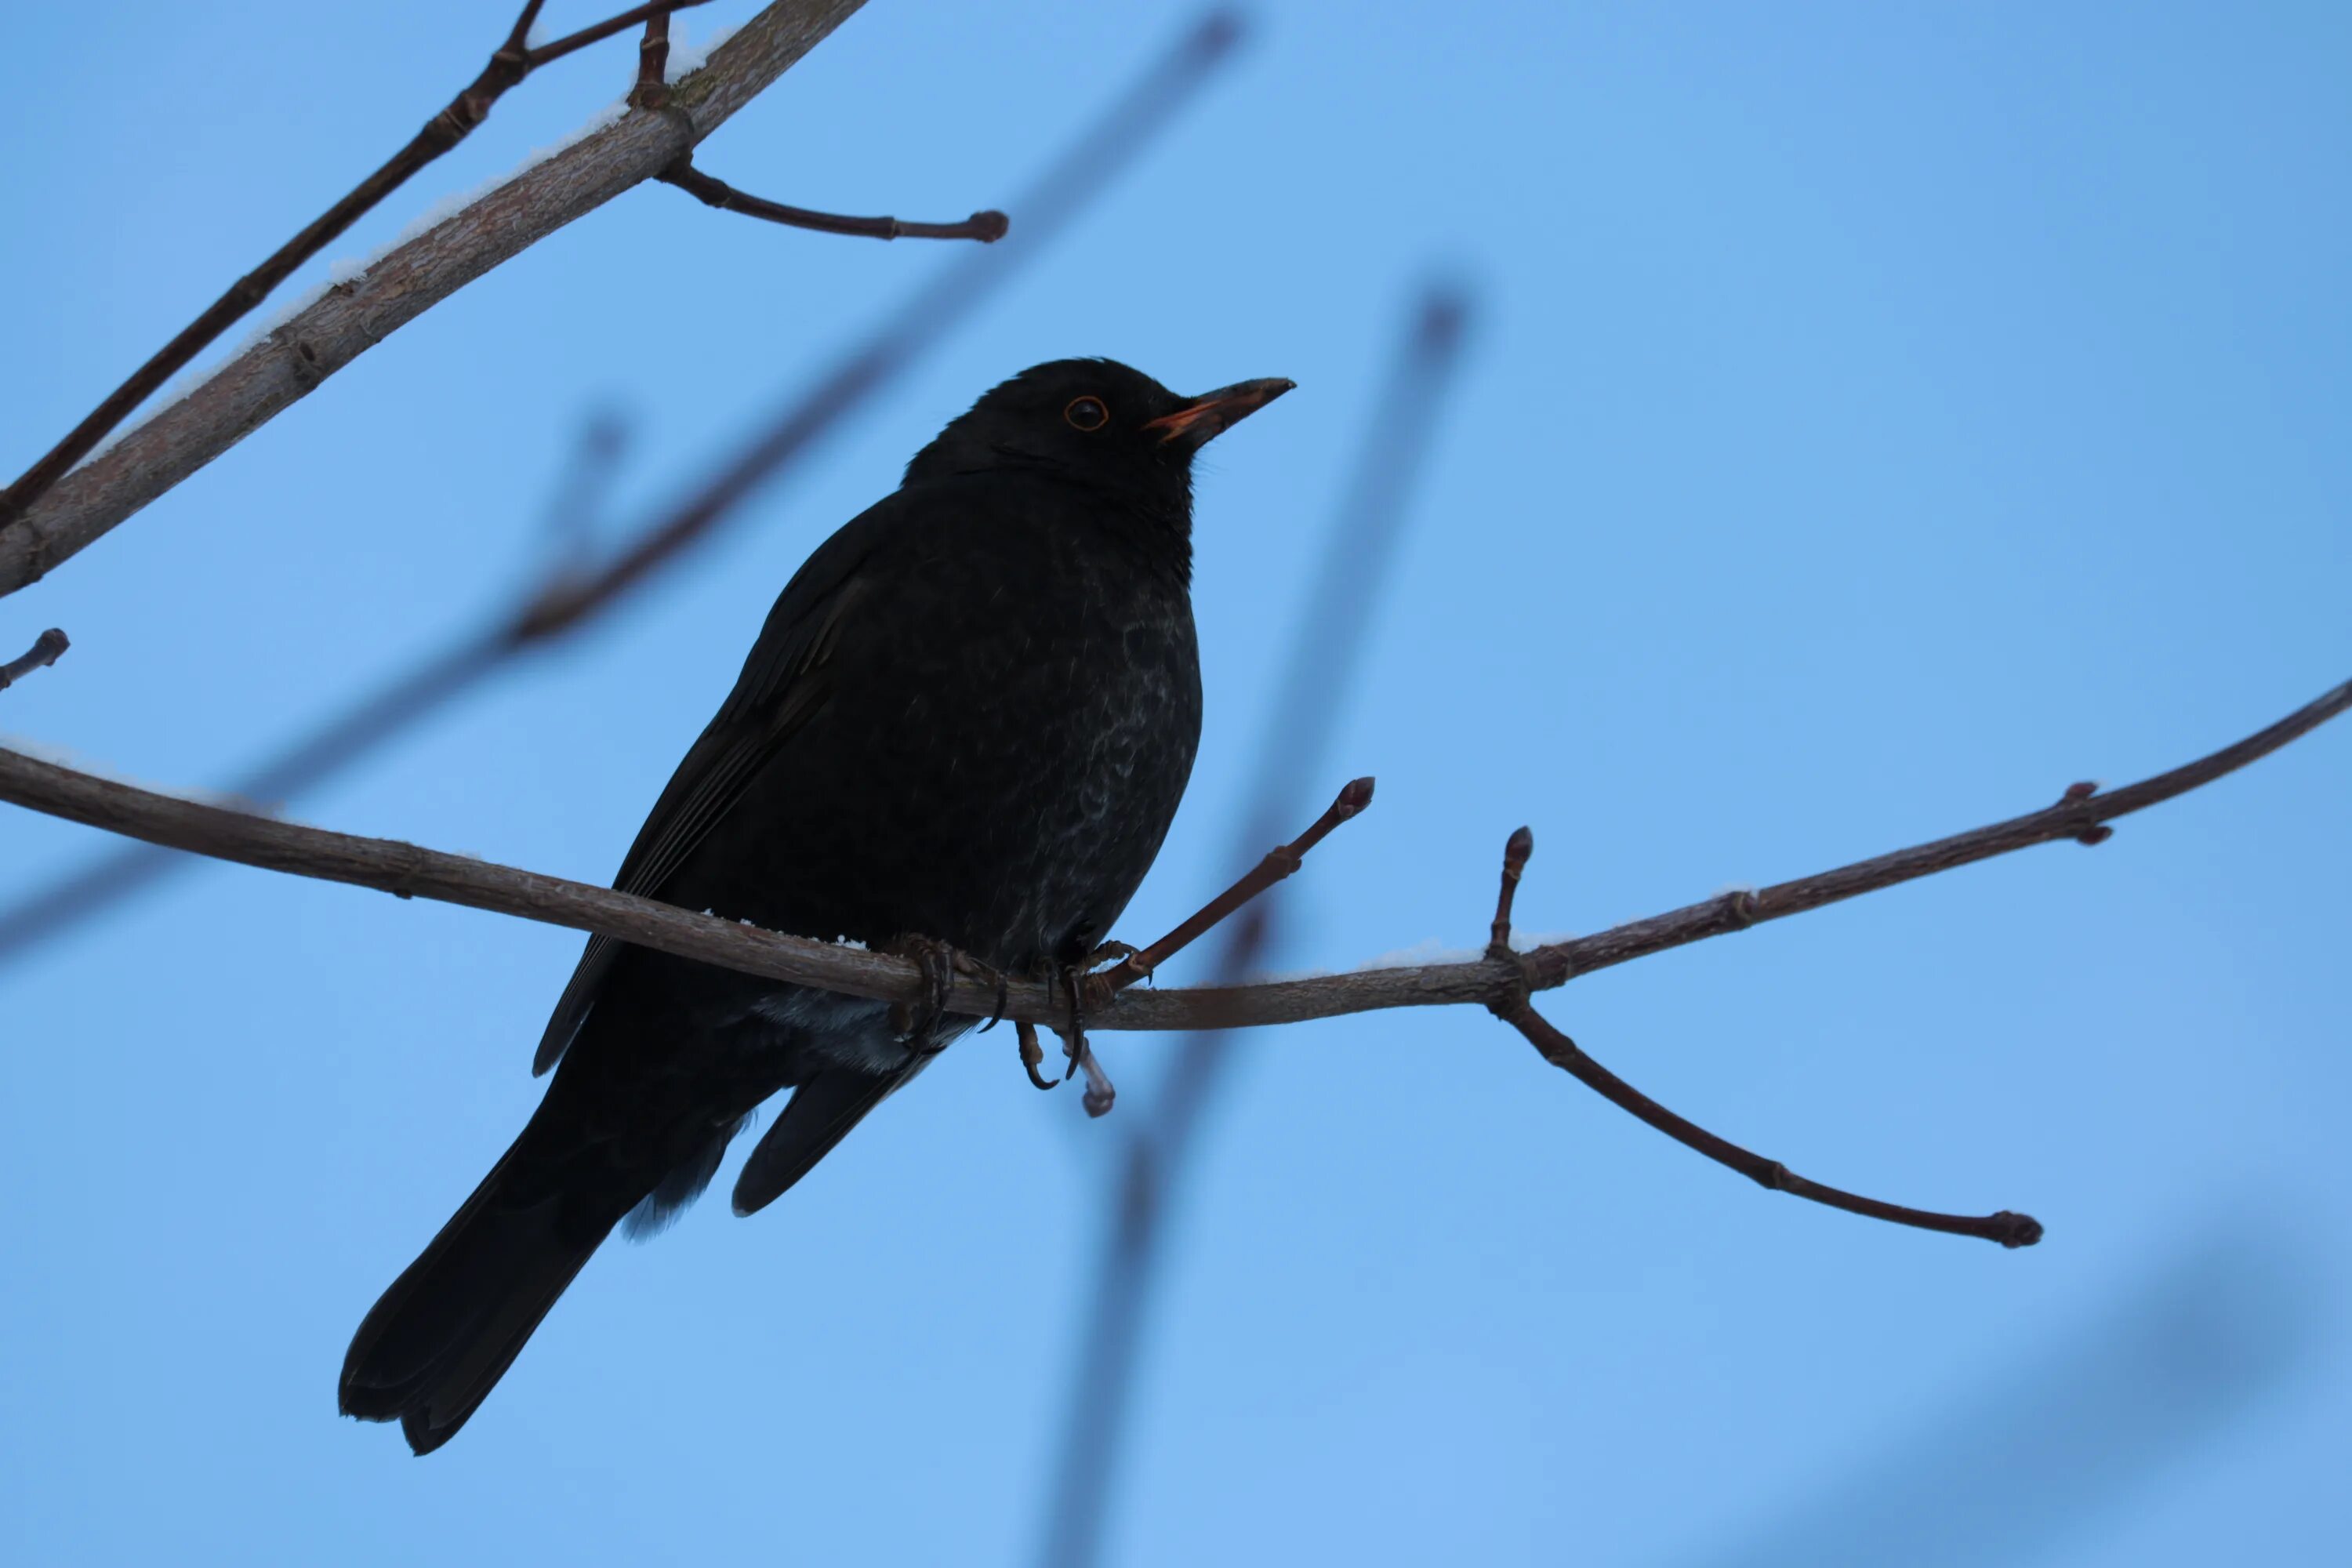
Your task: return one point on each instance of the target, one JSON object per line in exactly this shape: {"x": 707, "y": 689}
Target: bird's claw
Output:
{"x": 1032, "y": 1055}
{"x": 1003, "y": 987}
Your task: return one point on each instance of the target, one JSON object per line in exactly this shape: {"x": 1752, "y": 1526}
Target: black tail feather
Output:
{"x": 433, "y": 1346}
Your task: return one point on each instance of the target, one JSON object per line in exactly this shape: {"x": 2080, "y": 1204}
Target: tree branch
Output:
{"x": 513, "y": 61}
{"x": 2076, "y": 813}
{"x": 351, "y": 317}
{"x": 987, "y": 226}
{"x": 407, "y": 870}
{"x": 2012, "y": 1230}
{"x": 45, "y": 651}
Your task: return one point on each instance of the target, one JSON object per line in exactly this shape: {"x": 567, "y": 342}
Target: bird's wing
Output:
{"x": 784, "y": 682}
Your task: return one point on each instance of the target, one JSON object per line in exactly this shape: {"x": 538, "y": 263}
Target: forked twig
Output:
{"x": 295, "y": 357}
{"x": 1516, "y": 1009}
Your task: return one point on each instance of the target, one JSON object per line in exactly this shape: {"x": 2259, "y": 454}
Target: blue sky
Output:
{"x": 1875, "y": 421}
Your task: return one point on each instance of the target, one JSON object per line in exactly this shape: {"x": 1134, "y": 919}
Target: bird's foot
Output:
{"x": 1109, "y": 952}
{"x": 939, "y": 963}
{"x": 1072, "y": 978}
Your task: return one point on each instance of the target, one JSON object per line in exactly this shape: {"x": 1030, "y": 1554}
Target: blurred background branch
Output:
{"x": 1316, "y": 684}
{"x": 2029, "y": 1452}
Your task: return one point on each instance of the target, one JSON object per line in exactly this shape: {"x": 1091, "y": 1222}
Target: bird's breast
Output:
{"x": 1000, "y": 775}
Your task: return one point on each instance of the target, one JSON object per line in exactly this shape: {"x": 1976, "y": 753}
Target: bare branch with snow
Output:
{"x": 55, "y": 510}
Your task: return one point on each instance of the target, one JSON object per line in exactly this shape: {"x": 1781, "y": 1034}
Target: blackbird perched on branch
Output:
{"x": 966, "y": 725}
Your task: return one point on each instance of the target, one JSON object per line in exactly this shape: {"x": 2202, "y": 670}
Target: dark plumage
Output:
{"x": 969, "y": 719}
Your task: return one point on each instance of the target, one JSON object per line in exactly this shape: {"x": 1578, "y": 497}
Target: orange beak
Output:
{"x": 1202, "y": 420}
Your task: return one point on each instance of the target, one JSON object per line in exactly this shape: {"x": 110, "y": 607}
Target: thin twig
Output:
{"x": 1516, "y": 852}
{"x": 1280, "y": 863}
{"x": 579, "y": 593}
{"x": 511, "y": 62}
{"x": 45, "y": 651}
{"x": 410, "y": 872}
{"x": 291, "y": 361}
{"x": 987, "y": 226}
{"x": 653, "y": 64}
{"x": 1086, "y": 992}
{"x": 1516, "y": 1009}
{"x": 2009, "y": 1229}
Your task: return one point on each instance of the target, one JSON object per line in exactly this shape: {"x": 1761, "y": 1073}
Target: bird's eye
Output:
{"x": 1087, "y": 413}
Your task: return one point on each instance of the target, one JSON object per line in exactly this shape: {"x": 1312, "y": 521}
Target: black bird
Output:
{"x": 968, "y": 721}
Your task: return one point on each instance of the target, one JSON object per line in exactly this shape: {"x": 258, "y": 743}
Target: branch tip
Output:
{"x": 2013, "y": 1230}
{"x": 1516, "y": 850}
{"x": 47, "y": 649}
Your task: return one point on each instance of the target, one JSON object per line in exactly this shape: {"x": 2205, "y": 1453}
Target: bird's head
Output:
{"x": 1097, "y": 422}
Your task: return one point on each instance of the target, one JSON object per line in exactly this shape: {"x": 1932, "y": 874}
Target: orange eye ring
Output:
{"x": 1086, "y": 413}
